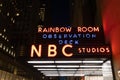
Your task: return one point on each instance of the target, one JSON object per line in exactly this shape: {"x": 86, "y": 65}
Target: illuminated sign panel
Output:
{"x": 69, "y": 42}
{"x": 70, "y": 35}
{"x": 67, "y": 50}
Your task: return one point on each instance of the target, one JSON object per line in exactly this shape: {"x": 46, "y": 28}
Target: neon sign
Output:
{"x": 69, "y": 42}
{"x": 53, "y": 51}
{"x": 67, "y": 29}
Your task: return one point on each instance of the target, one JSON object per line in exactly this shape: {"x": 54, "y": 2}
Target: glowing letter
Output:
{"x": 107, "y": 50}
{"x": 67, "y": 54}
{"x": 83, "y": 49}
{"x": 102, "y": 49}
{"x": 96, "y": 29}
{"x": 90, "y": 29}
{"x": 93, "y": 50}
{"x": 68, "y": 29}
{"x": 79, "y": 29}
{"x": 38, "y": 52}
{"x": 57, "y": 29}
{"x": 52, "y": 51}
{"x": 39, "y": 29}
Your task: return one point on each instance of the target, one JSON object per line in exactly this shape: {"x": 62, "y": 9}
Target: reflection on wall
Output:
{"x": 111, "y": 23}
